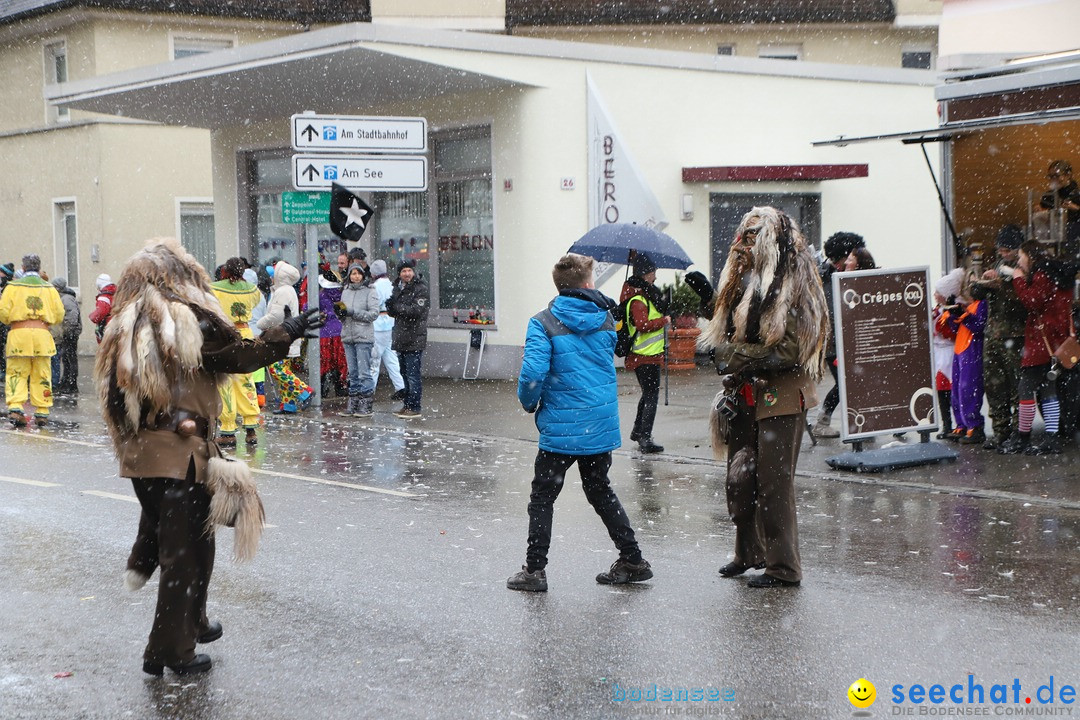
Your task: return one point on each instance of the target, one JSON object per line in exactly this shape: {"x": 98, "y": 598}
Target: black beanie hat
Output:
{"x": 8, "y": 269}
{"x": 1011, "y": 237}
{"x": 406, "y": 263}
{"x": 643, "y": 264}
{"x": 839, "y": 245}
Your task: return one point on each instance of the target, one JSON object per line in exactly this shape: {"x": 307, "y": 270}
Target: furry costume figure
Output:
{"x": 768, "y": 329}
{"x": 152, "y": 346}
{"x": 154, "y": 338}
{"x": 784, "y": 277}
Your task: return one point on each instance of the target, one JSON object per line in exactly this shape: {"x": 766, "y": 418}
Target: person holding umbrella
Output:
{"x": 646, "y": 314}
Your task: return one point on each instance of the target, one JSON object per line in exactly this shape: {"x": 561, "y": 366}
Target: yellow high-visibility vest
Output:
{"x": 650, "y": 343}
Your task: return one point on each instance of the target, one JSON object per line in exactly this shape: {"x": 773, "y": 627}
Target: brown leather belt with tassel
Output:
{"x": 181, "y": 422}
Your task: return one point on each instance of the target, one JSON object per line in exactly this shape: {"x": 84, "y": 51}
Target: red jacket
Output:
{"x": 103, "y": 308}
{"x": 1049, "y": 308}
{"x": 639, "y": 318}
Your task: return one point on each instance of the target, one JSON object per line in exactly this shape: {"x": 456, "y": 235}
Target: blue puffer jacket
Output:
{"x": 569, "y": 370}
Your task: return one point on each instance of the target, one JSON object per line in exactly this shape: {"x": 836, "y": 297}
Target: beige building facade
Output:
{"x": 510, "y": 129}
{"x": 84, "y": 190}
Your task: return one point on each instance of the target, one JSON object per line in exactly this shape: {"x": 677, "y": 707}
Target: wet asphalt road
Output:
{"x": 368, "y": 604}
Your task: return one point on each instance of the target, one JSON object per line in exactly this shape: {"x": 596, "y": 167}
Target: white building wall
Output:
{"x": 669, "y": 119}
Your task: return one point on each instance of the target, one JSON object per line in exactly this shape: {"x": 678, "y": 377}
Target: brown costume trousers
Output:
{"x": 761, "y": 502}
{"x": 172, "y": 535}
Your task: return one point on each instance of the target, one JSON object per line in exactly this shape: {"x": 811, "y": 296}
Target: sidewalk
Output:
{"x": 489, "y": 409}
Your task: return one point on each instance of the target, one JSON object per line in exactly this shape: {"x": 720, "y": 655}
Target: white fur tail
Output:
{"x": 235, "y": 503}
{"x": 718, "y": 429}
{"x": 134, "y": 580}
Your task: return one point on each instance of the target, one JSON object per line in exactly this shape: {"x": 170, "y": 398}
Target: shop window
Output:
{"x": 459, "y": 264}
{"x": 271, "y": 239}
{"x": 66, "y": 242}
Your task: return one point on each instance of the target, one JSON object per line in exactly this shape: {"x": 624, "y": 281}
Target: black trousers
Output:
{"x": 69, "y": 364}
{"x": 832, "y": 399}
{"x": 172, "y": 535}
{"x": 648, "y": 377}
{"x": 549, "y": 473}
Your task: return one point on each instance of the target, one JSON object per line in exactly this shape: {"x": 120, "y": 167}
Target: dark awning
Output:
{"x": 758, "y": 173}
{"x": 963, "y": 127}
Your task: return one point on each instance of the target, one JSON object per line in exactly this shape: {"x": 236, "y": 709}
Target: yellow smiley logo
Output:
{"x": 862, "y": 693}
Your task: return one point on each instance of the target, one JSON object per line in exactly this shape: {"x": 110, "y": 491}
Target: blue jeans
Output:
{"x": 358, "y": 359}
{"x": 410, "y": 371}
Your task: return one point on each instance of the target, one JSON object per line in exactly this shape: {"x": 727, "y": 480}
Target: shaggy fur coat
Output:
{"x": 762, "y": 284}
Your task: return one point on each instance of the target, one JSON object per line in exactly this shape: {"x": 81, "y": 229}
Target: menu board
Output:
{"x": 882, "y": 324}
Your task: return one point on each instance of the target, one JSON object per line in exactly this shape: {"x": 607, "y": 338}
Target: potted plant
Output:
{"x": 685, "y": 308}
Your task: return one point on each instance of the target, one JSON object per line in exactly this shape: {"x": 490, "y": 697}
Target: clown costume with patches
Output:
{"x": 30, "y": 306}
{"x": 238, "y": 299}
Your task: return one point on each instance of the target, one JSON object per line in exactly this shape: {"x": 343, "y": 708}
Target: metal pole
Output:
{"x": 665, "y": 367}
{"x": 958, "y": 246}
{"x": 314, "y": 351}
{"x": 666, "y": 352}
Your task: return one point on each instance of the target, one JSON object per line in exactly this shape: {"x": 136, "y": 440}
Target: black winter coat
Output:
{"x": 409, "y": 305}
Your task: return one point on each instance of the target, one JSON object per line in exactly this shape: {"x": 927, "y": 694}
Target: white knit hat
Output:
{"x": 103, "y": 280}
{"x": 950, "y": 284}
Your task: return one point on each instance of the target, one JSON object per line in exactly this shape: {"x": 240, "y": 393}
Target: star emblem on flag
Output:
{"x": 349, "y": 215}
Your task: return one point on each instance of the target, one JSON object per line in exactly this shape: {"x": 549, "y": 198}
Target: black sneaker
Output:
{"x": 623, "y": 571}
{"x": 528, "y": 581}
{"x": 399, "y": 395}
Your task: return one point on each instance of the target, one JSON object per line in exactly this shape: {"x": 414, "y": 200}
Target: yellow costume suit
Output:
{"x": 29, "y": 306}
{"x": 238, "y": 396}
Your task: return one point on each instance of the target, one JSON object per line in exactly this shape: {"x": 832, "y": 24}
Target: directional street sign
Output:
{"x": 360, "y": 172}
{"x": 351, "y": 133}
{"x": 298, "y": 208}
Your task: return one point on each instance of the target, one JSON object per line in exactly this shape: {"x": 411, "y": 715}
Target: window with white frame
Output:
{"x": 66, "y": 242}
{"x": 196, "y": 222}
{"x": 186, "y": 45}
{"x": 56, "y": 71}
{"x": 917, "y": 56}
{"x": 780, "y": 52}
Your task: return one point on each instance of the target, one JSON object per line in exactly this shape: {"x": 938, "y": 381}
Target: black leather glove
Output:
{"x": 699, "y": 284}
{"x": 298, "y": 325}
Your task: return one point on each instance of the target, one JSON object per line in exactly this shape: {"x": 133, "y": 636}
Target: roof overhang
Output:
{"x": 361, "y": 67}
{"x": 339, "y": 70}
{"x": 1032, "y": 91}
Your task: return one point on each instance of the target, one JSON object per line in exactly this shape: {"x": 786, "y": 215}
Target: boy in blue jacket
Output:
{"x": 568, "y": 380}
